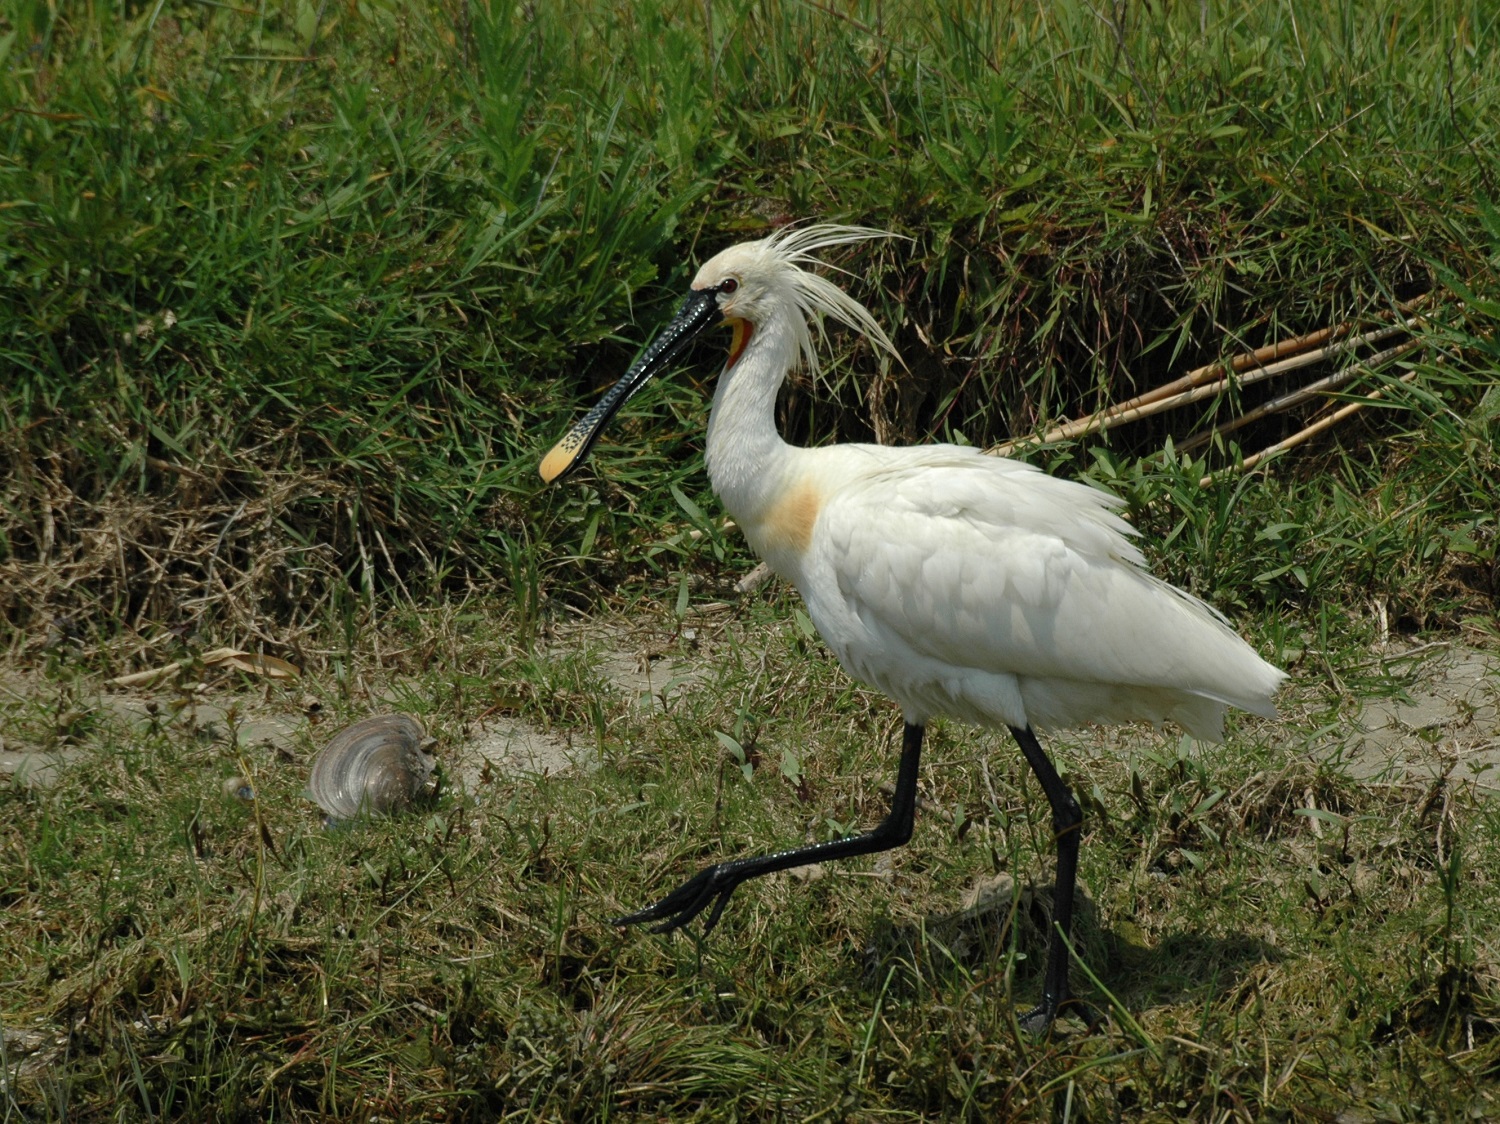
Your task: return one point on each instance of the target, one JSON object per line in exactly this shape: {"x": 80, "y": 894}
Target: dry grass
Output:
{"x": 293, "y": 298}
{"x": 1272, "y": 936}
{"x": 155, "y": 564}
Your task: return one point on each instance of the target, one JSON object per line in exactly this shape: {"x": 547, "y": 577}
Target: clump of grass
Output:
{"x": 294, "y": 299}
{"x": 354, "y": 270}
{"x": 1270, "y": 935}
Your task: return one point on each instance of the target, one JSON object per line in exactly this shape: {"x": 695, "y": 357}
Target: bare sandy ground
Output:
{"x": 1438, "y": 712}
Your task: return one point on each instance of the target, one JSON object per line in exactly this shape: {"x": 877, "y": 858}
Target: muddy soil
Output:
{"x": 47, "y": 724}
{"x": 1439, "y": 714}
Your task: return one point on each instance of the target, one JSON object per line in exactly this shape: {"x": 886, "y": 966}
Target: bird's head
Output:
{"x": 749, "y": 281}
{"x": 744, "y": 286}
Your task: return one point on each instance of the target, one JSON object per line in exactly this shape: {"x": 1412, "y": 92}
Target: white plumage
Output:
{"x": 983, "y": 589}
{"x": 960, "y": 584}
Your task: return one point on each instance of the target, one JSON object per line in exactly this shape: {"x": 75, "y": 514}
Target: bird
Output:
{"x": 961, "y": 585}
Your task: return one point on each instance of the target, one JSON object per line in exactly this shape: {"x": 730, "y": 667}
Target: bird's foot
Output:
{"x": 1037, "y": 1022}
{"x": 711, "y": 885}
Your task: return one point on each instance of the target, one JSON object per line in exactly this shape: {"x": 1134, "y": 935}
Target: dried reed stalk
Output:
{"x": 1306, "y": 434}
{"x": 1297, "y": 397}
{"x": 1211, "y": 379}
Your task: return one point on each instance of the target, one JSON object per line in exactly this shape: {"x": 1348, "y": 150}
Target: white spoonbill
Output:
{"x": 959, "y": 584}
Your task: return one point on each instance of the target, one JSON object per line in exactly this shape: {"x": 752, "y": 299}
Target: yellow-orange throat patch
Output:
{"x": 741, "y": 338}
{"x": 788, "y": 525}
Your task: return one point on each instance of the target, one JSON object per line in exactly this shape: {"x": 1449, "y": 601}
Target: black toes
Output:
{"x": 1038, "y": 1021}
{"x": 682, "y": 905}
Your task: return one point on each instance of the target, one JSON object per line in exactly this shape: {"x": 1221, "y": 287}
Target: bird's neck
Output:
{"x": 745, "y": 454}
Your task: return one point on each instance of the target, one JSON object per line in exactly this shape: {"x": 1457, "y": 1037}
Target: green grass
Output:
{"x": 355, "y": 269}
{"x": 1274, "y": 938}
{"x": 295, "y": 297}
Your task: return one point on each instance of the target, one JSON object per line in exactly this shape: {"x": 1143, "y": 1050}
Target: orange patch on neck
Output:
{"x": 737, "y": 344}
{"x": 788, "y": 525}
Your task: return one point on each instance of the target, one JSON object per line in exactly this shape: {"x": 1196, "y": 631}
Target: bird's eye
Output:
{"x": 728, "y": 285}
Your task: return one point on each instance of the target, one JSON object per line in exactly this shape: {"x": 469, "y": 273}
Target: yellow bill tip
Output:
{"x": 558, "y": 461}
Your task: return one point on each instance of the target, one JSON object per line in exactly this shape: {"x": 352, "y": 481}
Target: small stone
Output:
{"x": 239, "y": 788}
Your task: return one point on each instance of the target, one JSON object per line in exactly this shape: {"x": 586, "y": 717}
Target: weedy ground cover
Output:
{"x": 329, "y": 284}
{"x": 1274, "y": 934}
{"x": 293, "y": 299}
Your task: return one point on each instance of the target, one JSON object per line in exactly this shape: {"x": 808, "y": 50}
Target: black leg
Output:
{"x": 1066, "y": 820}
{"x": 714, "y": 884}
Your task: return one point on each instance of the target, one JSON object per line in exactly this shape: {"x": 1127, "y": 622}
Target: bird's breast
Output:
{"x": 783, "y": 529}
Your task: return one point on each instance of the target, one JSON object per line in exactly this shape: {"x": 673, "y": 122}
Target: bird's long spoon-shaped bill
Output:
{"x": 699, "y": 311}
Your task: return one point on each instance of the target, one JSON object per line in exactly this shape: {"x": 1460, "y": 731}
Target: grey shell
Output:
{"x": 376, "y": 766}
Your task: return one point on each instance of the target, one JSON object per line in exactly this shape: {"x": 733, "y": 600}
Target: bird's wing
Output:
{"x": 979, "y": 562}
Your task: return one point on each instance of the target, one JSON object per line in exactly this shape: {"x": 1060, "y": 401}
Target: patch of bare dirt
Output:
{"x": 510, "y": 747}
{"x": 1446, "y": 720}
{"x": 1448, "y": 715}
